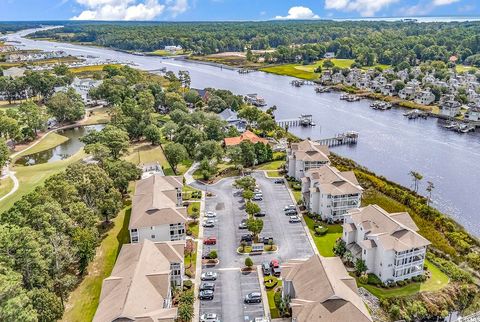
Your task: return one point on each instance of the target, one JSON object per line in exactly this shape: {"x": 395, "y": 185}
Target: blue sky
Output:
{"x": 229, "y": 9}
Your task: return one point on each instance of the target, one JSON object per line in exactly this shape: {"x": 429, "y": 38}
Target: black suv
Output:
{"x": 260, "y": 214}
{"x": 246, "y": 238}
{"x": 207, "y": 286}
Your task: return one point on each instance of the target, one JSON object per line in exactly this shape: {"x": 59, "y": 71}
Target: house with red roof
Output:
{"x": 247, "y": 135}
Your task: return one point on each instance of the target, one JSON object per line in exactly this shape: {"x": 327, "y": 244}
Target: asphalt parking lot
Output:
{"x": 232, "y": 285}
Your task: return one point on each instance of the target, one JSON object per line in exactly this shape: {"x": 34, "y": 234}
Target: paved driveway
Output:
{"x": 232, "y": 285}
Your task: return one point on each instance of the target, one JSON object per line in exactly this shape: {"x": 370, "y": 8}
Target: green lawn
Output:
{"x": 84, "y": 299}
{"x": 271, "y": 301}
{"x": 31, "y": 177}
{"x": 307, "y": 71}
{"x": 272, "y": 165}
{"x": 291, "y": 70}
{"x": 274, "y": 174}
{"x": 192, "y": 205}
{"x": 5, "y": 186}
{"x": 325, "y": 243}
{"x": 50, "y": 141}
{"x": 194, "y": 228}
{"x": 437, "y": 281}
{"x": 463, "y": 68}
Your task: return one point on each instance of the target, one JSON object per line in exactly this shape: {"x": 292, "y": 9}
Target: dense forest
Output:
{"x": 379, "y": 41}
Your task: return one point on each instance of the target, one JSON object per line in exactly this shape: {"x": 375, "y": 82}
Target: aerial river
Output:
{"x": 389, "y": 144}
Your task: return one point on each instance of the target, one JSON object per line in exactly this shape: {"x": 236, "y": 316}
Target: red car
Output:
{"x": 210, "y": 241}
{"x": 274, "y": 263}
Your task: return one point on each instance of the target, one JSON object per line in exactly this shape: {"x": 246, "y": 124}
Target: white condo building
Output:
{"x": 304, "y": 156}
{"x": 388, "y": 243}
{"x": 330, "y": 193}
{"x": 157, "y": 210}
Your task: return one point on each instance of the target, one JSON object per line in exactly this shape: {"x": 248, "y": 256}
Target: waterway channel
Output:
{"x": 389, "y": 144}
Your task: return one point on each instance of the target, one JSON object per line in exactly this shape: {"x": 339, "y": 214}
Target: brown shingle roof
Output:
{"x": 329, "y": 180}
{"x": 310, "y": 151}
{"x": 324, "y": 291}
{"x": 155, "y": 202}
{"x": 138, "y": 285}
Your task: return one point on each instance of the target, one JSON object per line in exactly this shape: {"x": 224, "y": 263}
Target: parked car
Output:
{"x": 210, "y": 214}
{"x": 290, "y": 207}
{"x": 257, "y": 198}
{"x": 276, "y": 271}
{"x": 206, "y": 295}
{"x": 254, "y": 297}
{"x": 209, "y": 223}
{"x": 207, "y": 286}
{"x": 260, "y": 214}
{"x": 243, "y": 224}
{"x": 279, "y": 181}
{"x": 274, "y": 263}
{"x": 209, "y": 276}
{"x": 294, "y": 219}
{"x": 246, "y": 238}
{"x": 290, "y": 212}
{"x": 210, "y": 241}
{"x": 257, "y": 191}
{"x": 266, "y": 269}
{"x": 209, "y": 317}
{"x": 265, "y": 240}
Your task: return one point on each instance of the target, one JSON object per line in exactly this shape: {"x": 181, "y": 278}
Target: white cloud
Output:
{"x": 443, "y": 2}
{"x": 129, "y": 9}
{"x": 366, "y": 8}
{"x": 299, "y": 13}
{"x": 177, "y": 7}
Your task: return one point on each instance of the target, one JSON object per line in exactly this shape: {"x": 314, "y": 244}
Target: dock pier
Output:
{"x": 302, "y": 120}
{"x": 346, "y": 138}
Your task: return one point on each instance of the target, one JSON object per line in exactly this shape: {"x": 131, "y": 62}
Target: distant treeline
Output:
{"x": 379, "y": 41}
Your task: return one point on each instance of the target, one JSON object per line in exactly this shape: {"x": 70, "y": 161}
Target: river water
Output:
{"x": 389, "y": 144}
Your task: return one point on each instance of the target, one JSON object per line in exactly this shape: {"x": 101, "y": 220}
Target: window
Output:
{"x": 364, "y": 252}
{"x": 153, "y": 236}
{"x": 134, "y": 230}
{"x": 152, "y": 228}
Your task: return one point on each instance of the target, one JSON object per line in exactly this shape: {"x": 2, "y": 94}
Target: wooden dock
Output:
{"x": 346, "y": 138}
{"x": 302, "y": 120}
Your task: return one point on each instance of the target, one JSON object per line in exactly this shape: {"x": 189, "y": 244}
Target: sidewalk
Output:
{"x": 198, "y": 267}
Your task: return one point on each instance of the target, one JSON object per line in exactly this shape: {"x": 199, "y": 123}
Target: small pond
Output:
{"x": 62, "y": 151}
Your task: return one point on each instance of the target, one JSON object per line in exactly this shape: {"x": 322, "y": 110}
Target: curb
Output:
{"x": 263, "y": 291}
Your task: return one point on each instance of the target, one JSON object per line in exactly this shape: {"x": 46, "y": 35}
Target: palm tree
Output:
{"x": 417, "y": 177}
{"x": 430, "y": 187}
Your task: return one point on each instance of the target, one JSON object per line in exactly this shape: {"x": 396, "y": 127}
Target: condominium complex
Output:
{"x": 330, "y": 193}
{"x": 320, "y": 289}
{"x": 140, "y": 286}
{"x": 157, "y": 210}
{"x": 388, "y": 243}
{"x": 304, "y": 156}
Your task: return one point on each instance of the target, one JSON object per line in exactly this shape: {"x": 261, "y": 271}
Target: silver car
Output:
{"x": 209, "y": 317}
{"x": 209, "y": 276}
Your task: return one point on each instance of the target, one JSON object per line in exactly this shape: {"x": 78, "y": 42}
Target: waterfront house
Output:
{"x": 407, "y": 93}
{"x": 306, "y": 155}
{"x": 388, "y": 243}
{"x": 388, "y": 90}
{"x": 403, "y": 74}
{"x": 424, "y": 97}
{"x": 449, "y": 107}
{"x": 14, "y": 72}
{"x": 157, "y": 210}
{"x": 245, "y": 136}
{"x": 330, "y": 193}
{"x": 473, "y": 113}
{"x": 140, "y": 285}
{"x": 338, "y": 78}
{"x": 172, "y": 49}
{"x": 231, "y": 117}
{"x": 320, "y": 289}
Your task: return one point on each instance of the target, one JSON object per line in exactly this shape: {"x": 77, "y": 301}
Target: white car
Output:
{"x": 209, "y": 317}
{"x": 209, "y": 223}
{"x": 209, "y": 276}
{"x": 289, "y": 207}
{"x": 210, "y": 214}
{"x": 294, "y": 219}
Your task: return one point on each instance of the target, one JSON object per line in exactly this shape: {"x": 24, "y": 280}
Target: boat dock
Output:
{"x": 415, "y": 114}
{"x": 350, "y": 137}
{"x": 302, "y": 120}
{"x": 298, "y": 83}
{"x": 245, "y": 70}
